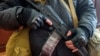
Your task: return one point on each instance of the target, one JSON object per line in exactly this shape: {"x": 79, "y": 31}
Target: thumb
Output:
{"x": 69, "y": 33}
{"x": 49, "y": 22}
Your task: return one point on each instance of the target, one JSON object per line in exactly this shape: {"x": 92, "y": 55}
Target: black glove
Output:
{"x": 31, "y": 18}
{"x": 37, "y": 22}
{"x": 79, "y": 37}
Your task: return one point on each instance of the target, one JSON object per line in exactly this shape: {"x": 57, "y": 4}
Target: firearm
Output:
{"x": 60, "y": 27}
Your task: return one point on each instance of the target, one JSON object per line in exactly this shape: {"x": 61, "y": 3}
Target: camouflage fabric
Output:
{"x": 94, "y": 44}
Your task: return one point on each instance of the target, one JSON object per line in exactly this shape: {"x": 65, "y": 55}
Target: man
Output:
{"x": 18, "y": 13}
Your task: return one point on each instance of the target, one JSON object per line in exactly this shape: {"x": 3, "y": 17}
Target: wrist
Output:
{"x": 86, "y": 32}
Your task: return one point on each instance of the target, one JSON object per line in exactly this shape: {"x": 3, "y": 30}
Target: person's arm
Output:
{"x": 11, "y": 18}
{"x": 87, "y": 23}
{"x": 87, "y": 16}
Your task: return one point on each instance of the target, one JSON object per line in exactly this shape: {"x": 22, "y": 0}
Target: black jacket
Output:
{"x": 14, "y": 13}
{"x": 12, "y": 8}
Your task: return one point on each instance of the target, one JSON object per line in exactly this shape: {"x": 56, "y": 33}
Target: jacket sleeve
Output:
{"x": 87, "y": 16}
{"x": 12, "y": 18}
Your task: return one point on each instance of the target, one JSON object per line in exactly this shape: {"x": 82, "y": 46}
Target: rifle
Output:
{"x": 60, "y": 27}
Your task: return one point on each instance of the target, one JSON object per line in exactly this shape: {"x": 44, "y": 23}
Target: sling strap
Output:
{"x": 40, "y": 1}
{"x": 73, "y": 13}
{"x": 71, "y": 9}
{"x": 53, "y": 40}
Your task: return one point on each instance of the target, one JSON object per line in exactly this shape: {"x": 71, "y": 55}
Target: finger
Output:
{"x": 69, "y": 33}
{"x": 36, "y": 24}
{"x": 49, "y": 22}
{"x": 40, "y": 21}
{"x": 69, "y": 42}
{"x": 75, "y": 50}
{"x": 71, "y": 47}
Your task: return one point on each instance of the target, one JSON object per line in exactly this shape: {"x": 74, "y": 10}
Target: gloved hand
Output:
{"x": 77, "y": 38}
{"x": 39, "y": 21}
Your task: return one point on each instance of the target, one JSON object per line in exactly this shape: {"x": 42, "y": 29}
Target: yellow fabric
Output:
{"x": 71, "y": 9}
{"x": 18, "y": 44}
{"x": 73, "y": 12}
{"x": 40, "y": 1}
